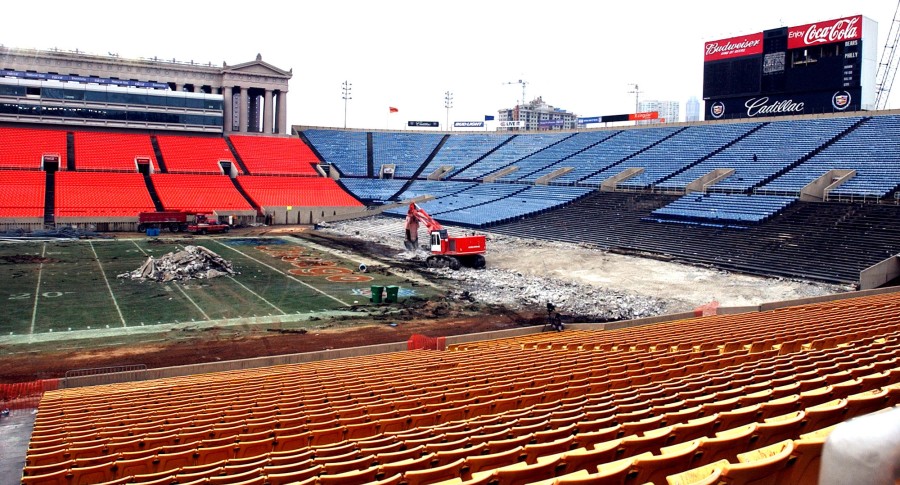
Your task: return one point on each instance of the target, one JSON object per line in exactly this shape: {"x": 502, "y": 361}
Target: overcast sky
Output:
{"x": 582, "y": 56}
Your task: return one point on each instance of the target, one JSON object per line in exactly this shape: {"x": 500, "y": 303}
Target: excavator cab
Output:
{"x": 436, "y": 238}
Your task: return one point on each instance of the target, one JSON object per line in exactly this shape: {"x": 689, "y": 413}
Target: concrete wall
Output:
{"x": 306, "y": 214}
{"x": 879, "y": 273}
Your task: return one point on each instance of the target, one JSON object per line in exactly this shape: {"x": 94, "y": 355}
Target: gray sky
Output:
{"x": 581, "y": 56}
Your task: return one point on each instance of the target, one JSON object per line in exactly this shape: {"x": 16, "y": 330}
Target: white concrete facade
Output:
{"x": 261, "y": 87}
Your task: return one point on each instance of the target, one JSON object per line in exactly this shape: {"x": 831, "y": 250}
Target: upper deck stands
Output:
{"x": 406, "y": 151}
{"x": 551, "y": 155}
{"x": 516, "y": 149}
{"x": 677, "y": 152}
{"x": 24, "y": 147}
{"x": 870, "y": 150}
{"x": 461, "y": 150}
{"x": 346, "y": 150}
{"x": 194, "y": 154}
{"x": 763, "y": 153}
{"x": 267, "y": 155}
{"x": 112, "y": 151}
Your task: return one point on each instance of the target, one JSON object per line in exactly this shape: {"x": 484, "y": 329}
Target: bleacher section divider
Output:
{"x": 237, "y": 156}
{"x": 154, "y": 196}
{"x": 70, "y": 151}
{"x": 50, "y": 197}
{"x": 467, "y": 166}
{"x": 159, "y": 155}
{"x": 312, "y": 147}
{"x": 245, "y": 195}
{"x": 415, "y": 176}
{"x": 370, "y": 156}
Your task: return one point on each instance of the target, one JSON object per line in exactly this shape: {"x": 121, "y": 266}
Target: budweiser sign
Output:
{"x": 830, "y": 31}
{"x": 745, "y": 45}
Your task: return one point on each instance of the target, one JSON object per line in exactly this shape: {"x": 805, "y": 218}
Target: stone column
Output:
{"x": 267, "y": 113}
{"x": 282, "y": 113}
{"x": 226, "y": 106}
{"x": 244, "y": 110}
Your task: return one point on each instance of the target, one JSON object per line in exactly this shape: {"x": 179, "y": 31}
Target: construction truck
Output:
{"x": 446, "y": 251}
{"x": 178, "y": 221}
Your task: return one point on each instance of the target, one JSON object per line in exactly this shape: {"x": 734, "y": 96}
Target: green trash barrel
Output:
{"x": 376, "y": 294}
{"x": 392, "y": 294}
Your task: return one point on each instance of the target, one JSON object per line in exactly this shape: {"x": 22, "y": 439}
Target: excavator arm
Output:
{"x": 415, "y": 216}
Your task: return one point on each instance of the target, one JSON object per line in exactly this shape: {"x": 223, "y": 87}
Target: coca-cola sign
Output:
{"x": 745, "y": 45}
{"x": 827, "y": 32}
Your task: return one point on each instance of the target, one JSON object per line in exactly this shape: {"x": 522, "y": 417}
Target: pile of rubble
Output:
{"x": 193, "y": 262}
{"x": 514, "y": 289}
{"x": 573, "y": 300}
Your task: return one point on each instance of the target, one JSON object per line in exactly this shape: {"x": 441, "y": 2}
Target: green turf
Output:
{"x": 77, "y": 286}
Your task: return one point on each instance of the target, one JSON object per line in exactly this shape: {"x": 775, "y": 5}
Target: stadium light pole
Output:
{"x": 637, "y": 92}
{"x": 346, "y": 86}
{"x": 448, "y": 103}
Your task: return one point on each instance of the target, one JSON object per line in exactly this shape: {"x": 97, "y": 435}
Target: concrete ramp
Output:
{"x": 440, "y": 173}
{"x": 501, "y": 173}
{"x": 559, "y": 172}
{"x": 818, "y": 189}
{"x": 610, "y": 184}
{"x": 711, "y": 178}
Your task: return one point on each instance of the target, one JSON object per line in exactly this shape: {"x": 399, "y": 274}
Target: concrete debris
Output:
{"x": 575, "y": 301}
{"x": 583, "y": 281}
{"x": 193, "y": 262}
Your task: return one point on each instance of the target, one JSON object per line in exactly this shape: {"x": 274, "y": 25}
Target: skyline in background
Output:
{"x": 583, "y": 58}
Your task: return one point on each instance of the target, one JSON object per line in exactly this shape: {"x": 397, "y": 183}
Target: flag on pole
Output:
{"x": 488, "y": 117}
{"x": 392, "y": 109}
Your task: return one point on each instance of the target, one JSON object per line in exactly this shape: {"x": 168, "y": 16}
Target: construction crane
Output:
{"x": 887, "y": 67}
{"x": 523, "y": 83}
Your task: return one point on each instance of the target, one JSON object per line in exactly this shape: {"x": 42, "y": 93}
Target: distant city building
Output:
{"x": 692, "y": 109}
{"x": 537, "y": 115}
{"x": 669, "y": 111}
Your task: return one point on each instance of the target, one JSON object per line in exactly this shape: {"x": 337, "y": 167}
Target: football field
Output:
{"x": 64, "y": 286}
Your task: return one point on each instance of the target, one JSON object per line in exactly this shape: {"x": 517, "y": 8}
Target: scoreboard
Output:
{"x": 823, "y": 67}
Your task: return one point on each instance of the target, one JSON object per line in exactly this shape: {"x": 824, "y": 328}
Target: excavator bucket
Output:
{"x": 410, "y": 245}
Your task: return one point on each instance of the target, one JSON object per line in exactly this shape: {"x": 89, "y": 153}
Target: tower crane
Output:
{"x": 887, "y": 67}
{"x": 523, "y": 83}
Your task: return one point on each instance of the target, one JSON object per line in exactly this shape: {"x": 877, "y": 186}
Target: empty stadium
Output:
{"x": 288, "y": 369}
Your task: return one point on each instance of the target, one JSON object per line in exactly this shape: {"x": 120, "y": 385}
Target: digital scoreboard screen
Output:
{"x": 813, "y": 68}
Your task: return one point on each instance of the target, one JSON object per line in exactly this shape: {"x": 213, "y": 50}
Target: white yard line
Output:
{"x": 258, "y": 295}
{"x": 205, "y": 316}
{"x": 139, "y": 248}
{"x": 37, "y": 290}
{"x": 283, "y": 273}
{"x": 108, "y": 287}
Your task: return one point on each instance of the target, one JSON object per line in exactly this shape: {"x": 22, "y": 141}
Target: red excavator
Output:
{"x": 446, "y": 251}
